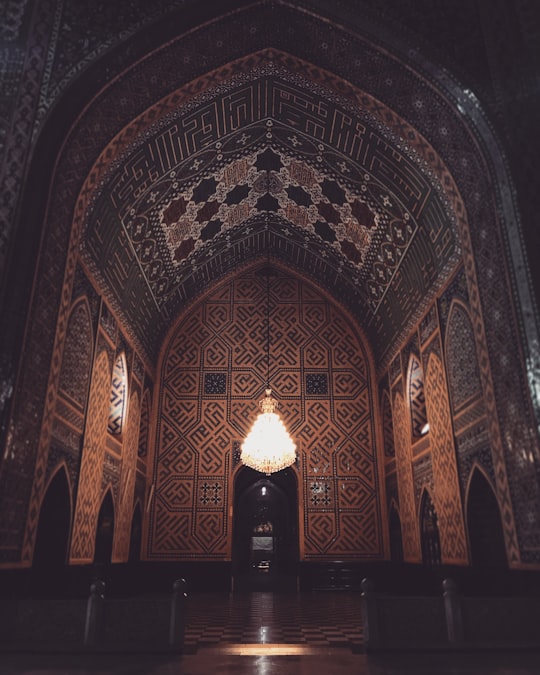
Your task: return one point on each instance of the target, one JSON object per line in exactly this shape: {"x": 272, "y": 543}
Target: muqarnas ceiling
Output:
{"x": 271, "y": 163}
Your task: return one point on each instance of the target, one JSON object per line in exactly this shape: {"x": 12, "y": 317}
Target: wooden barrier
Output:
{"x": 449, "y": 621}
{"x": 133, "y": 624}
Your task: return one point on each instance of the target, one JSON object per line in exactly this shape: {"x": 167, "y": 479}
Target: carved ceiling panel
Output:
{"x": 270, "y": 163}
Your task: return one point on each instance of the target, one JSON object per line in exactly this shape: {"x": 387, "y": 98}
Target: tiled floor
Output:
{"x": 272, "y": 634}
{"x": 329, "y": 619}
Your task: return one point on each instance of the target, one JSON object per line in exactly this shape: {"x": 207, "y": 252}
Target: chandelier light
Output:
{"x": 268, "y": 447}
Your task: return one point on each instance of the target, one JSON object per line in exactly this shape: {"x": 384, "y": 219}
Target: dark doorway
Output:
{"x": 486, "y": 536}
{"x": 52, "y": 539}
{"x": 396, "y": 541}
{"x": 265, "y": 530}
{"x": 105, "y": 532}
{"x": 429, "y": 532}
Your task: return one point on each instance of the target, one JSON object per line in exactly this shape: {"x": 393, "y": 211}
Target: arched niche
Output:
{"x": 429, "y": 532}
{"x": 77, "y": 355}
{"x": 265, "y": 530}
{"x": 104, "y": 531}
{"x": 484, "y": 524}
{"x": 464, "y": 384}
{"x": 55, "y": 516}
{"x": 212, "y": 373}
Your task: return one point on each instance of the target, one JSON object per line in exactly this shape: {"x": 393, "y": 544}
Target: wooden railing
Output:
{"x": 448, "y": 621}
{"x": 134, "y": 624}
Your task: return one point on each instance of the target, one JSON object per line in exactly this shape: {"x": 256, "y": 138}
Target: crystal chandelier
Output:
{"x": 268, "y": 447}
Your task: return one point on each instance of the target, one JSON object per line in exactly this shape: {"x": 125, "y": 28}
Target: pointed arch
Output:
{"x": 409, "y": 525}
{"x": 429, "y": 531}
{"x": 104, "y": 537}
{"x": 199, "y": 420}
{"x": 89, "y": 488}
{"x": 416, "y": 397}
{"x": 77, "y": 355}
{"x": 54, "y": 524}
{"x": 461, "y": 358}
{"x": 484, "y": 523}
{"x": 447, "y": 492}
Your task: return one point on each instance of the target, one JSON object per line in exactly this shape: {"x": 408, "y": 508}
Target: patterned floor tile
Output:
{"x": 324, "y": 619}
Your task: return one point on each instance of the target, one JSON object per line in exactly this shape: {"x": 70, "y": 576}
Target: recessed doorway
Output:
{"x": 265, "y": 531}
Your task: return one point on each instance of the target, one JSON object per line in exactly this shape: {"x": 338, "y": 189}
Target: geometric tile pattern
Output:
{"x": 89, "y": 490}
{"x": 416, "y": 397}
{"x": 215, "y": 383}
{"x": 447, "y": 496}
{"x": 330, "y": 619}
{"x": 144, "y": 427}
{"x": 461, "y": 360}
{"x": 41, "y": 334}
{"x": 321, "y": 177}
{"x": 77, "y": 355}
{"x": 197, "y": 427}
{"x": 486, "y": 350}
{"x": 118, "y": 396}
{"x": 407, "y": 506}
{"x": 388, "y": 427}
{"x": 316, "y": 383}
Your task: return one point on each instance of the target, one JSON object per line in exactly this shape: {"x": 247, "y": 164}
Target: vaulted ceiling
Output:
{"x": 310, "y": 152}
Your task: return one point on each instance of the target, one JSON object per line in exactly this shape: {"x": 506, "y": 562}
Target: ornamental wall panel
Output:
{"x": 89, "y": 490}
{"x": 402, "y": 444}
{"x": 447, "y": 495}
{"x": 213, "y": 371}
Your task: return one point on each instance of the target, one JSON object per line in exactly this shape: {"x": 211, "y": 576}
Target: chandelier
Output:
{"x": 268, "y": 447}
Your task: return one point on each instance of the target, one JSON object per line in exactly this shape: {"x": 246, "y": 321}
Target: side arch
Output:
{"x": 429, "y": 531}
{"x": 104, "y": 535}
{"x": 76, "y": 366}
{"x": 90, "y": 475}
{"x": 54, "y": 524}
{"x": 484, "y": 523}
{"x": 409, "y": 523}
{"x": 464, "y": 382}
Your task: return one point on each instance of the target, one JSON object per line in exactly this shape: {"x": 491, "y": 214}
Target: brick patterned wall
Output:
{"x": 213, "y": 372}
{"x": 447, "y": 496}
{"x": 407, "y": 506}
{"x": 89, "y": 491}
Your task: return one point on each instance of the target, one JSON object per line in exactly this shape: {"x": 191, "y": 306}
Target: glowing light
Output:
{"x": 268, "y": 447}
